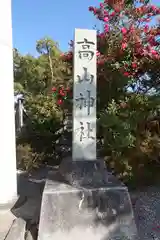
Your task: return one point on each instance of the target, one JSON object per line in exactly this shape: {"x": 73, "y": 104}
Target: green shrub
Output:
{"x": 37, "y": 141}
{"x": 27, "y": 158}
{"x": 131, "y": 140}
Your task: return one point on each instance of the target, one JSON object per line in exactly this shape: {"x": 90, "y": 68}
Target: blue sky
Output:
{"x": 34, "y": 19}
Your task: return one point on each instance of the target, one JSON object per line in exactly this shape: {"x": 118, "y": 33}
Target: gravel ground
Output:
{"x": 146, "y": 206}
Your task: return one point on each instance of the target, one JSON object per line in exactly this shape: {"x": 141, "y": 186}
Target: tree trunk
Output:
{"x": 51, "y": 67}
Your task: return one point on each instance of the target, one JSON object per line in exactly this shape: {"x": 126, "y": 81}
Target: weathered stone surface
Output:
{"x": 97, "y": 212}
{"x": 84, "y": 95}
{"x": 17, "y": 230}
{"x": 87, "y": 173}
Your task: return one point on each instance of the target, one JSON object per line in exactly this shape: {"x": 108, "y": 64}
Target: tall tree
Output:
{"x": 51, "y": 57}
{"x": 49, "y": 48}
{"x": 38, "y": 74}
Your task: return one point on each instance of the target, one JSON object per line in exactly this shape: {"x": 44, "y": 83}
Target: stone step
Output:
{"x": 17, "y": 230}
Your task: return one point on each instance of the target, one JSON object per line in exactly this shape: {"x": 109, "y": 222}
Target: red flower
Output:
{"x": 61, "y": 92}
{"x": 126, "y": 74}
{"x": 54, "y": 89}
{"x": 146, "y": 28}
{"x": 91, "y": 8}
{"x": 59, "y": 101}
{"x": 101, "y": 35}
{"x": 134, "y": 65}
{"x": 124, "y": 45}
{"x": 100, "y": 61}
{"x": 112, "y": 14}
{"x": 124, "y": 30}
{"x": 106, "y": 14}
{"x": 106, "y": 28}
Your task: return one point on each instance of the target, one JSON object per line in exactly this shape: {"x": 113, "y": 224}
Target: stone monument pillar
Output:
{"x": 84, "y": 95}
{"x": 8, "y": 180}
{"x": 81, "y": 167}
{"x": 84, "y": 200}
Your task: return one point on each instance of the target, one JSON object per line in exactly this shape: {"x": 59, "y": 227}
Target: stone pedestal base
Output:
{"x": 87, "y": 173}
{"x": 98, "y": 210}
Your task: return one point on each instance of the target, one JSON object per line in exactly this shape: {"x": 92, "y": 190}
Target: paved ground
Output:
{"x": 6, "y": 221}
{"x": 146, "y": 205}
